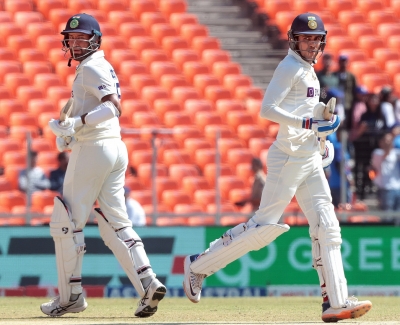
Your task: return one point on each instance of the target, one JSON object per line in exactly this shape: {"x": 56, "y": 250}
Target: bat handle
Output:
{"x": 322, "y": 142}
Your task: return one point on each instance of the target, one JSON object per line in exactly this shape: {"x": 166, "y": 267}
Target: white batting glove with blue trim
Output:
{"x": 322, "y": 128}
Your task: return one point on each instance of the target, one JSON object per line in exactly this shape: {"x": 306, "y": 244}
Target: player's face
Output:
{"x": 78, "y": 43}
{"x": 309, "y": 45}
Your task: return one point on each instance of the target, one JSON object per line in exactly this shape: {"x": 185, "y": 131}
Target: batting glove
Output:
{"x": 64, "y": 144}
{"x": 329, "y": 154}
{"x": 322, "y": 128}
{"x": 65, "y": 128}
{"x": 318, "y": 112}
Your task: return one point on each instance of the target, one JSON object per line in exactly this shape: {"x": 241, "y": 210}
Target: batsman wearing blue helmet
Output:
{"x": 96, "y": 171}
{"x": 295, "y": 168}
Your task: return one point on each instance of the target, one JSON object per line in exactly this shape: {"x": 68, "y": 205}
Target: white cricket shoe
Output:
{"x": 192, "y": 282}
{"x": 155, "y": 292}
{"x": 352, "y": 309}
{"x": 54, "y": 309}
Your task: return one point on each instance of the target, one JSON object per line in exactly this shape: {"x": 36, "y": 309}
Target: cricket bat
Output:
{"x": 328, "y": 112}
{"x": 65, "y": 113}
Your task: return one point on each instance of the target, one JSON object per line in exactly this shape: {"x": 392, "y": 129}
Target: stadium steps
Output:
{"x": 231, "y": 22}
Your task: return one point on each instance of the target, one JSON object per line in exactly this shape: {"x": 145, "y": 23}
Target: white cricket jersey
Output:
{"x": 94, "y": 79}
{"x": 291, "y": 95}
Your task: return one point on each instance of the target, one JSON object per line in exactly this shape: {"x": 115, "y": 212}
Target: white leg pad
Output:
{"x": 235, "y": 243}
{"x": 330, "y": 240}
{"x": 317, "y": 265}
{"x": 69, "y": 246}
{"x": 129, "y": 250}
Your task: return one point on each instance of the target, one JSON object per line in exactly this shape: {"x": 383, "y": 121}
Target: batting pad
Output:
{"x": 329, "y": 239}
{"x": 129, "y": 250}
{"x": 69, "y": 246}
{"x": 234, "y": 244}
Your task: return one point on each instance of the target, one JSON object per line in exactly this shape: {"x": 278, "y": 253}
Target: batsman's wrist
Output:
{"x": 77, "y": 121}
{"x": 307, "y": 123}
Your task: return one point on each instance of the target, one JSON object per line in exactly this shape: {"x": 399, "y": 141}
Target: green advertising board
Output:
{"x": 371, "y": 256}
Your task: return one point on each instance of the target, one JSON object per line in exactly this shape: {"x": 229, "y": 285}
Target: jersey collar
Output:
{"x": 298, "y": 58}
{"x": 94, "y": 56}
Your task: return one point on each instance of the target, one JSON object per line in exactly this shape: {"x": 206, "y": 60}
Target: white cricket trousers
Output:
{"x": 288, "y": 176}
{"x": 96, "y": 171}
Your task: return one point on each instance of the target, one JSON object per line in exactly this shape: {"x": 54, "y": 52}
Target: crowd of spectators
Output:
{"x": 372, "y": 123}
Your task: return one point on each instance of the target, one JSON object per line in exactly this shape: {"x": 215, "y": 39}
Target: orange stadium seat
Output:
{"x": 6, "y": 54}
{"x": 108, "y": 29}
{"x": 237, "y": 118}
{"x": 339, "y": 43}
{"x": 40, "y": 144}
{"x": 129, "y": 68}
{"x": 305, "y": 5}
{"x": 388, "y": 29}
{"x": 244, "y": 93}
{"x": 204, "y": 197}
{"x": 325, "y": 15}
{"x": 141, "y": 6}
{"x": 188, "y": 209}
{"x": 152, "y": 93}
{"x": 202, "y": 43}
{"x": 236, "y": 156}
{"x": 45, "y": 6}
{"x": 196, "y": 221}
{"x": 170, "y": 81}
{"x": 44, "y": 118}
{"x": 347, "y": 17}
{"x": 5, "y": 16}
{"x": 354, "y": 54}
{"x": 142, "y": 118}
{"x": 22, "y": 118}
{"x": 382, "y": 55}
{"x": 18, "y": 42}
{"x": 192, "y": 106}
{"x": 136, "y": 144}
{"x": 176, "y": 118}
{"x": 32, "y": 68}
{"x": 241, "y": 194}
{"x": 225, "y": 144}
{"x": 117, "y": 56}
{"x": 153, "y": 55}
{"x": 38, "y": 106}
{"x": 161, "y": 30}
{"x": 9, "y": 67}
{"x": 176, "y": 156}
{"x": 42, "y": 198}
{"x": 165, "y": 183}
{"x": 216, "y": 93}
{"x": 183, "y": 132}
{"x": 100, "y": 16}
{"x": 193, "y": 144}
{"x": 336, "y": 6}
{"x": 9, "y": 199}
{"x": 117, "y": 17}
{"x": 228, "y": 183}
{"x": 15, "y": 6}
{"x": 174, "y": 197}
{"x": 59, "y": 17}
{"x": 181, "y": 56}
{"x": 370, "y": 43}
{"x": 160, "y": 68}
{"x": 45, "y": 43}
{"x": 393, "y": 42}
{"x": 173, "y": 43}
{"x": 163, "y": 106}
{"x": 80, "y": 5}
{"x": 108, "y": 5}
{"x": 26, "y": 55}
{"x": 178, "y": 19}
{"x": 14, "y": 80}
{"x": 138, "y": 81}
{"x": 202, "y": 81}
{"x": 224, "y": 106}
{"x": 4, "y": 92}
{"x": 204, "y": 157}
{"x": 182, "y": 94}
{"x": 209, "y": 57}
{"x": 210, "y": 172}
{"x": 247, "y": 131}
{"x": 365, "y": 6}
{"x": 9, "y": 29}
{"x": 139, "y": 157}
{"x": 204, "y": 118}
{"x": 133, "y": 183}
{"x": 5, "y": 184}
{"x": 57, "y": 93}
{"x": 193, "y": 68}
{"x": 144, "y": 171}
{"x": 140, "y": 43}
{"x": 231, "y": 81}
{"x": 14, "y": 158}
{"x": 27, "y": 93}
{"x": 171, "y": 221}
{"x": 179, "y": 171}
{"x": 360, "y": 68}
{"x": 377, "y": 17}
{"x": 9, "y": 106}
{"x": 395, "y": 5}
{"x": 224, "y": 131}
{"x": 357, "y": 30}
{"x": 109, "y": 43}
{"x": 221, "y": 69}
{"x": 373, "y": 80}
{"x": 272, "y": 7}
{"x": 142, "y": 196}
{"x": 8, "y": 145}
{"x": 284, "y": 19}
{"x": 11, "y": 172}
{"x": 169, "y": 7}
{"x": 148, "y": 19}
{"x": 25, "y": 18}
{"x": 190, "y": 31}
{"x": 392, "y": 67}
{"x": 47, "y": 158}
{"x": 256, "y": 145}
{"x": 45, "y": 80}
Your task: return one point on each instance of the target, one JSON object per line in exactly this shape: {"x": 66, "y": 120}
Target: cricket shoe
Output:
{"x": 55, "y": 309}
{"x": 155, "y": 292}
{"x": 351, "y": 309}
{"x": 192, "y": 282}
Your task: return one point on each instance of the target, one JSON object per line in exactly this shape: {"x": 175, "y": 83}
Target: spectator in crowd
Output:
{"x": 135, "y": 211}
{"x": 385, "y": 163}
{"x": 327, "y": 79}
{"x": 372, "y": 124}
{"x": 396, "y": 135}
{"x": 33, "y": 178}
{"x": 57, "y": 176}
{"x": 334, "y": 178}
{"x": 358, "y": 109}
{"x": 387, "y": 109}
{"x": 339, "y": 95}
{"x": 257, "y": 186}
{"x": 347, "y": 84}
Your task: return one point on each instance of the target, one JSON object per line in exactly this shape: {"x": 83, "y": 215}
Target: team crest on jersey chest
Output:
{"x": 312, "y": 92}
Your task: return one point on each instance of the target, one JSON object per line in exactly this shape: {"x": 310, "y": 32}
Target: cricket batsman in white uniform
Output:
{"x": 96, "y": 171}
{"x": 295, "y": 167}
